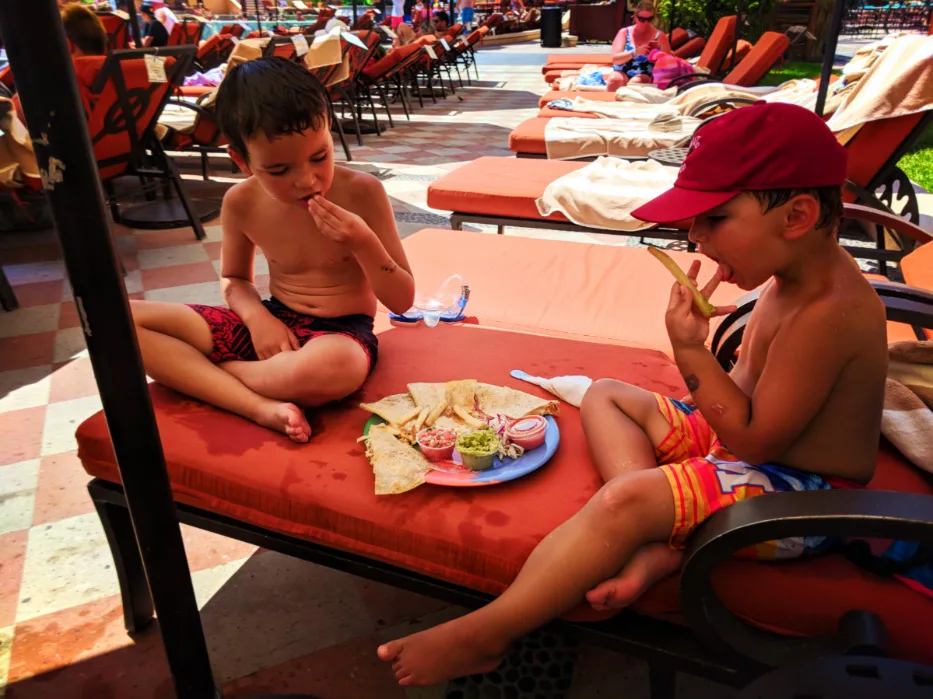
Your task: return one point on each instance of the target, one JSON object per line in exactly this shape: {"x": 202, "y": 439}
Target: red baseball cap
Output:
{"x": 762, "y": 146}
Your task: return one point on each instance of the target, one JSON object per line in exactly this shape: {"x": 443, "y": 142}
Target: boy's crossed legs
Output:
{"x": 634, "y": 508}
{"x": 176, "y": 343}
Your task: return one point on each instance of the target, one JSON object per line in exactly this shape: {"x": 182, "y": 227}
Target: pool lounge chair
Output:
{"x": 124, "y": 139}
{"x": 712, "y": 51}
{"x": 528, "y": 138}
{"x": 711, "y": 58}
{"x": 503, "y": 191}
{"x": 571, "y": 308}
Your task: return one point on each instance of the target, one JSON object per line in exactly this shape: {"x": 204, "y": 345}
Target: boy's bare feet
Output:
{"x": 649, "y": 564}
{"x": 450, "y": 650}
{"x": 286, "y": 418}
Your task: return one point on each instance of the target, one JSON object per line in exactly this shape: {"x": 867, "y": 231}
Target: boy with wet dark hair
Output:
{"x": 329, "y": 236}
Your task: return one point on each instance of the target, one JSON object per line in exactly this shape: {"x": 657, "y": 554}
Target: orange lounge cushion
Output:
{"x": 479, "y": 537}
{"x": 917, "y": 268}
{"x": 572, "y": 95}
{"x": 498, "y": 186}
{"x": 691, "y": 48}
{"x": 557, "y": 287}
{"x": 578, "y": 58}
{"x": 528, "y": 137}
{"x": 323, "y": 491}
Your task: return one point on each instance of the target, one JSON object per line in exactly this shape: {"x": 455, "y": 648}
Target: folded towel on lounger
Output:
{"x": 907, "y": 421}
{"x": 604, "y": 193}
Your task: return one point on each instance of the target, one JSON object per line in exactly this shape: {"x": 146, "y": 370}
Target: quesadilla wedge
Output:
{"x": 396, "y": 410}
{"x": 462, "y": 393}
{"x": 432, "y": 396}
{"x": 398, "y": 468}
{"x": 501, "y": 400}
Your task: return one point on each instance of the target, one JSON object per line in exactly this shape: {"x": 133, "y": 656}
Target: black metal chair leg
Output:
{"x": 134, "y": 590}
{"x": 205, "y": 165}
{"x": 7, "y": 296}
{"x": 372, "y": 110}
{"x": 175, "y": 178}
{"x": 339, "y": 125}
{"x": 383, "y": 95}
{"x": 662, "y": 682}
{"x": 356, "y": 123}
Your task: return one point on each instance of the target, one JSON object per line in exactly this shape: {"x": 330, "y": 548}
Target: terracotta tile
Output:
{"x": 150, "y": 240}
{"x": 30, "y": 320}
{"x": 27, "y": 350}
{"x": 206, "y": 549}
{"x": 12, "y": 555}
{"x": 349, "y": 670}
{"x": 130, "y": 261}
{"x": 389, "y": 605}
{"x": 29, "y": 254}
{"x": 21, "y": 434}
{"x": 74, "y": 379}
{"x": 68, "y": 316}
{"x": 85, "y": 652}
{"x": 39, "y": 293}
{"x": 178, "y": 275}
{"x": 68, "y": 563}
{"x": 24, "y": 388}
{"x": 213, "y": 249}
{"x": 61, "y": 491}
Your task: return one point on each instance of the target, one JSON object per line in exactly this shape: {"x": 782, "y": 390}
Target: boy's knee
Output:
{"x": 334, "y": 375}
{"x": 599, "y": 394}
{"x": 623, "y": 494}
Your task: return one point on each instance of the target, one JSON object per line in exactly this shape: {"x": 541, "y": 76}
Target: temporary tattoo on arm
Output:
{"x": 693, "y": 383}
{"x": 718, "y": 409}
{"x": 391, "y": 267}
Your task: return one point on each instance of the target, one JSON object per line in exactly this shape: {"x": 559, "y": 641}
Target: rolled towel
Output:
{"x": 569, "y": 389}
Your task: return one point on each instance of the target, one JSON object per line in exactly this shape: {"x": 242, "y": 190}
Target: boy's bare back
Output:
{"x": 308, "y": 271}
{"x": 842, "y": 319}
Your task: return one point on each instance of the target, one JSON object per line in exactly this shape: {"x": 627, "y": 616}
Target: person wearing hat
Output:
{"x": 801, "y": 409}
{"x": 155, "y": 33}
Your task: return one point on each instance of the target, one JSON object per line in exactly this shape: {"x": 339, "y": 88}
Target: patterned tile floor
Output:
{"x": 273, "y": 623}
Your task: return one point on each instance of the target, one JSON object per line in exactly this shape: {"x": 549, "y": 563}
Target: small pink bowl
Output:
{"x": 437, "y": 453}
{"x": 528, "y": 432}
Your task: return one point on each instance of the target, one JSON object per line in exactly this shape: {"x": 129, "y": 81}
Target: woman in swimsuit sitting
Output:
{"x": 631, "y": 47}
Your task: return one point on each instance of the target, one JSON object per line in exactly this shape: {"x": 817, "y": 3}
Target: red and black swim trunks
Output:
{"x": 232, "y": 340}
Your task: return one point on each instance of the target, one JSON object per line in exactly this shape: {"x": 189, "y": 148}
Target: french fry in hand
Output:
{"x": 702, "y": 303}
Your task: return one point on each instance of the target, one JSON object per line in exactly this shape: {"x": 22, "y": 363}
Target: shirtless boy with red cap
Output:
{"x": 800, "y": 410}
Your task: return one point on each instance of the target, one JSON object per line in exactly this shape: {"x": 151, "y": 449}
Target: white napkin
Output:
{"x": 569, "y": 389}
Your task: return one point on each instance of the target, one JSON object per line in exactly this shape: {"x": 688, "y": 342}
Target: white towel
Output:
{"x": 569, "y": 389}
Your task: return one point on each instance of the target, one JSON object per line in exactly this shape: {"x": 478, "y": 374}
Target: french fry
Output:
{"x": 702, "y": 303}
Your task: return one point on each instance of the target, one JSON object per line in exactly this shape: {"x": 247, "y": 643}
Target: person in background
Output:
{"x": 631, "y": 47}
{"x": 165, "y": 16}
{"x": 465, "y": 8}
{"x": 84, "y": 31}
{"x": 441, "y": 23}
{"x": 155, "y": 33}
{"x": 398, "y": 12}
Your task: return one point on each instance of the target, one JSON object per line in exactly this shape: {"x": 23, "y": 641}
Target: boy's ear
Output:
{"x": 239, "y": 160}
{"x": 801, "y": 214}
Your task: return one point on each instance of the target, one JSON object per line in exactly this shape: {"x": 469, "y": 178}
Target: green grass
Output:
{"x": 917, "y": 164}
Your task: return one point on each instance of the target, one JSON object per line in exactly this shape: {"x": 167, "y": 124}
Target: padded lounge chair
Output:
{"x": 432, "y": 540}
{"x": 711, "y": 58}
{"x": 118, "y": 30}
{"x": 124, "y": 138}
{"x": 681, "y": 42}
{"x": 527, "y": 139}
{"x": 503, "y": 191}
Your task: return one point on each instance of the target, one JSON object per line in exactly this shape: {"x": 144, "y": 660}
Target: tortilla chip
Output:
{"x": 462, "y": 393}
{"x": 430, "y": 395}
{"x": 396, "y": 410}
{"x": 398, "y": 468}
{"x": 454, "y": 423}
{"x": 501, "y": 400}
{"x": 470, "y": 417}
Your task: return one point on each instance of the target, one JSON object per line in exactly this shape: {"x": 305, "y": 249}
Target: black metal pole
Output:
{"x": 258, "y": 19}
{"x": 35, "y": 42}
{"x": 829, "y": 57}
{"x": 739, "y": 8}
{"x": 354, "y": 15}
{"x": 134, "y": 23}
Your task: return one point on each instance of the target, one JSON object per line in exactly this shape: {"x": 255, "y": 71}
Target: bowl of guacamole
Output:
{"x": 478, "y": 449}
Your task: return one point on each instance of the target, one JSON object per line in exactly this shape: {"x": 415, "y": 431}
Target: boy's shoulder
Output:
{"x": 243, "y": 195}
{"x": 355, "y": 190}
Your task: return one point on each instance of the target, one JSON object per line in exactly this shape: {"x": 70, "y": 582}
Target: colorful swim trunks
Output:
{"x": 706, "y": 477}
{"x": 232, "y": 340}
